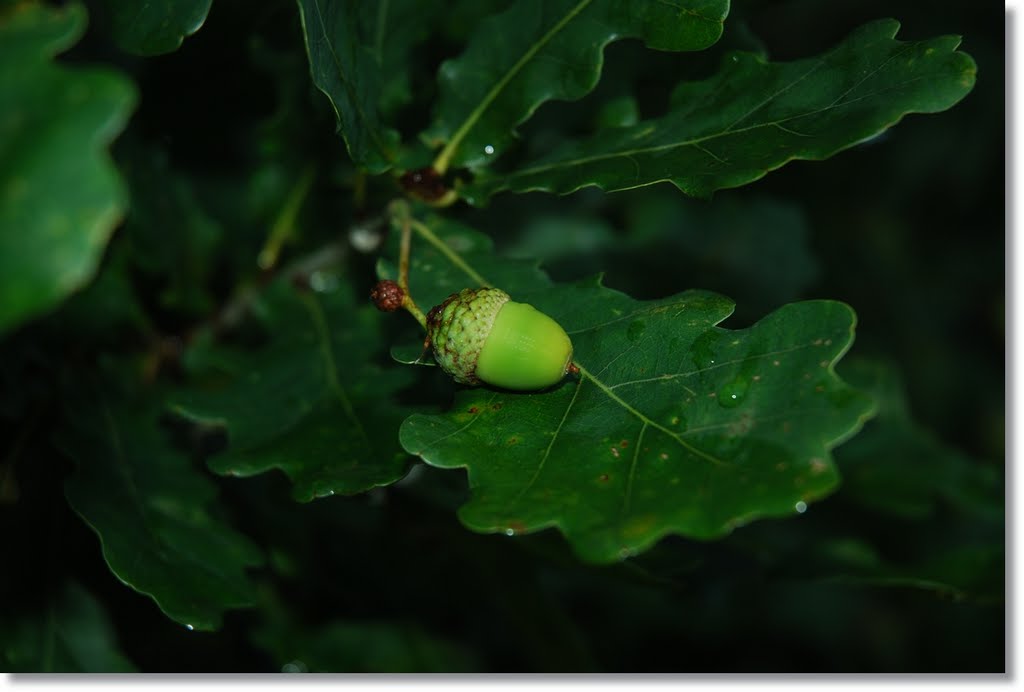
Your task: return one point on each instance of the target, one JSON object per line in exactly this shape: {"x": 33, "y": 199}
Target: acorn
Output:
{"x": 482, "y": 336}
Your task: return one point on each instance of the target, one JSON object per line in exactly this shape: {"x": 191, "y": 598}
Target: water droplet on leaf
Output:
{"x": 733, "y": 394}
{"x": 703, "y": 349}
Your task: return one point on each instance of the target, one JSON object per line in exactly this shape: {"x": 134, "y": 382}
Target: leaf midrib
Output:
{"x": 731, "y": 130}
{"x": 319, "y": 320}
{"x": 443, "y": 159}
{"x": 346, "y": 84}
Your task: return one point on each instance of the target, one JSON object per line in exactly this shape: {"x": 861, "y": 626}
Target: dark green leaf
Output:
{"x": 152, "y": 28}
{"x": 900, "y": 468}
{"x": 754, "y": 116}
{"x": 346, "y": 65}
{"x": 755, "y": 249}
{"x": 538, "y": 51}
{"x": 60, "y": 197}
{"x": 674, "y": 426}
{"x": 152, "y": 510}
{"x": 393, "y": 31}
{"x": 311, "y": 401}
{"x": 170, "y": 237}
{"x": 71, "y": 634}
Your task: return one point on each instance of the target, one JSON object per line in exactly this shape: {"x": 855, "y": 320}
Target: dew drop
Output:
{"x": 365, "y": 239}
{"x": 323, "y": 282}
{"x": 294, "y": 667}
{"x": 733, "y": 394}
{"x": 703, "y": 349}
{"x": 510, "y": 532}
{"x": 189, "y": 627}
{"x": 800, "y": 507}
{"x": 488, "y": 150}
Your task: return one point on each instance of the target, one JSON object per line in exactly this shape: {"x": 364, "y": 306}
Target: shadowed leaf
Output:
{"x": 346, "y": 67}
{"x": 152, "y": 510}
{"x": 554, "y": 51}
{"x": 310, "y": 401}
{"x": 754, "y": 116}
{"x": 153, "y": 28}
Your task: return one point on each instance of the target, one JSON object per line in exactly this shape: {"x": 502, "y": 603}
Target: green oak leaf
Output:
{"x": 754, "y": 116}
{"x": 71, "y": 634}
{"x": 394, "y": 32}
{"x": 152, "y": 510}
{"x": 153, "y": 28}
{"x": 311, "y": 401}
{"x": 345, "y": 65}
{"x": 542, "y": 50}
{"x": 674, "y": 426}
{"x": 60, "y": 196}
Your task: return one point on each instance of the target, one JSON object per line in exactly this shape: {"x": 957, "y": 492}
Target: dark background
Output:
{"x": 909, "y": 229}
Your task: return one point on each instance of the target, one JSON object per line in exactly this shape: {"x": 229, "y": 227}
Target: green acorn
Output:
{"x": 480, "y": 335}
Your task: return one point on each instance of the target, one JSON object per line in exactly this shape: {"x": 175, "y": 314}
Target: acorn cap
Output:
{"x": 459, "y": 327}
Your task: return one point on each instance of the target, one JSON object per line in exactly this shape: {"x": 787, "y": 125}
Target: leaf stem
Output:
{"x": 450, "y": 254}
{"x": 284, "y": 225}
{"x": 400, "y": 213}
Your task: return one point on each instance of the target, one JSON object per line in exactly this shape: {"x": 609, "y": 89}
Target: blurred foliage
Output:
{"x": 243, "y": 206}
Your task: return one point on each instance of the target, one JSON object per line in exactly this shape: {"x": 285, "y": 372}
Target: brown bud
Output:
{"x": 387, "y": 295}
{"x": 425, "y": 184}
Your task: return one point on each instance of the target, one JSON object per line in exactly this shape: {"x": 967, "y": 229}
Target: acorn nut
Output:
{"x": 481, "y": 336}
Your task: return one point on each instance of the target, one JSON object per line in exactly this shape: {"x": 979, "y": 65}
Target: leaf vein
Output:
{"x": 551, "y": 444}
{"x": 442, "y": 160}
{"x": 636, "y": 313}
{"x": 696, "y": 141}
{"x": 347, "y": 84}
{"x": 323, "y": 334}
{"x": 649, "y": 421}
{"x": 459, "y": 430}
{"x": 632, "y": 471}
{"x": 745, "y": 359}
